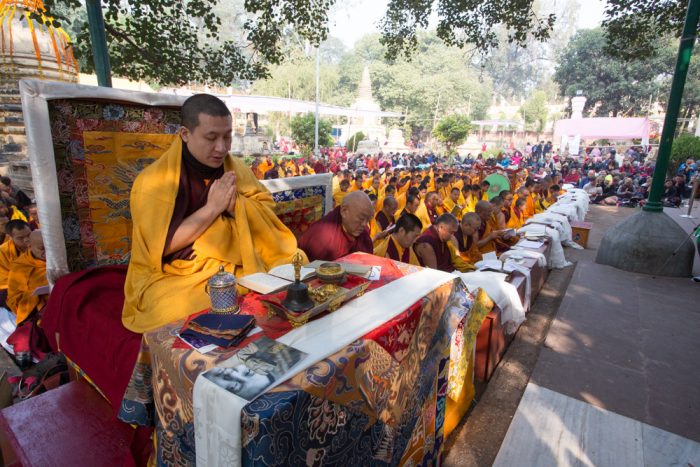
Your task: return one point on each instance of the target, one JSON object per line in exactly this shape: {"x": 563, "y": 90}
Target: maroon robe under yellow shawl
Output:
{"x": 327, "y": 240}
{"x": 254, "y": 240}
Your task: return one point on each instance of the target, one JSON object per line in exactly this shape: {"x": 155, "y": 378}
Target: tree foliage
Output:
{"x": 175, "y": 42}
{"x": 534, "y": 111}
{"x": 684, "y": 147}
{"x": 303, "y": 132}
{"x": 612, "y": 86}
{"x": 452, "y": 130}
{"x": 352, "y": 141}
{"x": 633, "y": 28}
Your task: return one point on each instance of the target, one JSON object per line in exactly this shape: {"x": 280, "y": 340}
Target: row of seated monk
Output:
{"x": 197, "y": 208}
{"x": 23, "y": 283}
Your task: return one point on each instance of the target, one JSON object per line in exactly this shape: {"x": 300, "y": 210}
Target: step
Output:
{"x": 71, "y": 425}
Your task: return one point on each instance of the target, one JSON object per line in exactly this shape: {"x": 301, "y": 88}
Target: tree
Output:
{"x": 534, "y": 111}
{"x": 452, "y": 131}
{"x": 684, "y": 147}
{"x": 175, "y": 42}
{"x": 352, "y": 142}
{"x": 303, "y": 132}
{"x": 612, "y": 86}
{"x": 633, "y": 27}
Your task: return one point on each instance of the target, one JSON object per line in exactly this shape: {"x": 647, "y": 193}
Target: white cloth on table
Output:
{"x": 217, "y": 412}
{"x": 558, "y": 221}
{"x": 526, "y": 253}
{"x": 503, "y": 293}
{"x": 8, "y": 324}
{"x": 557, "y": 259}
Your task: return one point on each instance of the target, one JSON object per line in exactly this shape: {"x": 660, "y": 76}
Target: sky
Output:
{"x": 355, "y": 18}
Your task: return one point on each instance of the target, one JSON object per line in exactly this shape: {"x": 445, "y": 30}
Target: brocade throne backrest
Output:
{"x": 98, "y": 146}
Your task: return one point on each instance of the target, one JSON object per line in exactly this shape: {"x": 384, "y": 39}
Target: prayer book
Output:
{"x": 254, "y": 368}
{"x": 530, "y": 244}
{"x": 263, "y": 283}
{"x": 275, "y": 279}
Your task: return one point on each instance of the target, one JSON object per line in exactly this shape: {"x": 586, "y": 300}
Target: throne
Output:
{"x": 86, "y": 146}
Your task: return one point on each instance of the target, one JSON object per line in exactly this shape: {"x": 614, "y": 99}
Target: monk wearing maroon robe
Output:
{"x": 431, "y": 247}
{"x": 342, "y": 231}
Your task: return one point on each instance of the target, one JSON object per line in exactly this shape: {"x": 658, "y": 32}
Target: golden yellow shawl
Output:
{"x": 255, "y": 241}
{"x": 26, "y": 275}
{"x": 8, "y": 255}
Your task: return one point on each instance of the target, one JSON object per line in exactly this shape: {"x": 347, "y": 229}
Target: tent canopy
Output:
{"x": 602, "y": 128}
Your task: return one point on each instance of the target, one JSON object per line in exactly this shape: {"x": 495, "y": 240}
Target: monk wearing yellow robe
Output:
{"x": 517, "y": 218}
{"x": 194, "y": 210}
{"x": 28, "y": 273}
{"x": 18, "y": 232}
{"x": 264, "y": 166}
{"x": 487, "y": 235}
{"x": 399, "y": 245}
{"x": 451, "y": 204}
{"x": 467, "y": 237}
{"x": 342, "y": 192}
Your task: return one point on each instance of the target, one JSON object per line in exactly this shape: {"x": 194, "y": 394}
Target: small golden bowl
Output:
{"x": 330, "y": 273}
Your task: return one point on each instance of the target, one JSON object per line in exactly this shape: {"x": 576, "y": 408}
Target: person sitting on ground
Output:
{"x": 18, "y": 231}
{"x": 194, "y": 210}
{"x": 498, "y": 223}
{"x": 27, "y": 274}
{"x": 594, "y": 190}
{"x": 4, "y": 237}
{"x": 399, "y": 245}
{"x": 433, "y": 248}
{"x": 33, "y": 219}
{"x": 432, "y": 200}
{"x": 384, "y": 219}
{"x": 467, "y": 237}
{"x": 342, "y": 231}
{"x": 452, "y": 204}
{"x": 485, "y": 185}
{"x": 341, "y": 193}
{"x": 671, "y": 196}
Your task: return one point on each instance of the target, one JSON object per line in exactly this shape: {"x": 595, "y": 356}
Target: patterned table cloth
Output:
{"x": 380, "y": 400}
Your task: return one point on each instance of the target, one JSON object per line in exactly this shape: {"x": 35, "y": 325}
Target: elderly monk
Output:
{"x": 342, "y": 231}
{"x": 432, "y": 247}
{"x": 399, "y": 245}
{"x": 196, "y": 209}
{"x": 487, "y": 235}
{"x": 27, "y": 274}
{"x": 467, "y": 237}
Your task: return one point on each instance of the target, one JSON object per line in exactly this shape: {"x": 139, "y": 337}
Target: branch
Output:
{"x": 140, "y": 50}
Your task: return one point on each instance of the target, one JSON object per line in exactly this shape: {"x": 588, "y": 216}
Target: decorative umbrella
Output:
{"x": 498, "y": 184}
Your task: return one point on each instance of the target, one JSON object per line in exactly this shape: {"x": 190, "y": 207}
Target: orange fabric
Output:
{"x": 490, "y": 246}
{"x": 26, "y": 275}
{"x": 515, "y": 221}
{"x": 8, "y": 255}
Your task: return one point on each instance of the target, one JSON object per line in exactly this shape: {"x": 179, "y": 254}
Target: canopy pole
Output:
{"x": 98, "y": 40}
{"x": 685, "y": 49}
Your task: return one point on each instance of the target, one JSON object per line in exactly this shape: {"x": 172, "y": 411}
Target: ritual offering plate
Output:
{"x": 330, "y": 273}
{"x": 326, "y": 297}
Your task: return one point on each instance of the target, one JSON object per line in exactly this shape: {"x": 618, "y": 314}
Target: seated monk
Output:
{"x": 18, "y": 232}
{"x": 195, "y": 209}
{"x": 342, "y": 192}
{"x": 487, "y": 235}
{"x": 28, "y": 273}
{"x": 452, "y": 204}
{"x": 399, "y": 245}
{"x": 432, "y": 247}
{"x": 498, "y": 222}
{"x": 384, "y": 219}
{"x": 467, "y": 237}
{"x": 342, "y": 231}
{"x": 517, "y": 216}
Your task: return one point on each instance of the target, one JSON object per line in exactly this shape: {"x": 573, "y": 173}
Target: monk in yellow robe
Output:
{"x": 342, "y": 192}
{"x": 194, "y": 210}
{"x": 18, "y": 232}
{"x": 487, "y": 235}
{"x": 452, "y": 205}
{"x": 399, "y": 245}
{"x": 498, "y": 222}
{"x": 517, "y": 217}
{"x": 264, "y": 166}
{"x": 467, "y": 237}
{"x": 27, "y": 274}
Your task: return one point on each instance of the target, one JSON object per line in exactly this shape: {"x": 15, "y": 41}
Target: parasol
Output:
{"x": 498, "y": 184}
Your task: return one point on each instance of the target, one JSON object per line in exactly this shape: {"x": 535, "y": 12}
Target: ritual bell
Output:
{"x": 297, "y": 299}
{"x": 222, "y": 292}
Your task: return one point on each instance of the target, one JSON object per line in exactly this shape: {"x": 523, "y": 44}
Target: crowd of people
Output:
{"x": 22, "y": 261}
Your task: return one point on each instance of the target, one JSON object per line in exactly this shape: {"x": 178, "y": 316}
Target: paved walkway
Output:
{"x": 617, "y": 381}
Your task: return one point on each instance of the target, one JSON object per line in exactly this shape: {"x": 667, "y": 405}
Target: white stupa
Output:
{"x": 368, "y": 124}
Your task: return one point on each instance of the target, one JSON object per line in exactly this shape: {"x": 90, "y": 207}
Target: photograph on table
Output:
{"x": 255, "y": 367}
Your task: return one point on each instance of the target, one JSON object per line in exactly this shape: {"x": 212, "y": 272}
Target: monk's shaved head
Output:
{"x": 390, "y": 204}
{"x": 36, "y": 244}
{"x": 470, "y": 222}
{"x": 483, "y": 209}
{"x": 356, "y": 211}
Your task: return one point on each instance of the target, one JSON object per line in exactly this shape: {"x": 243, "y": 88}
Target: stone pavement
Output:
{"x": 616, "y": 380}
